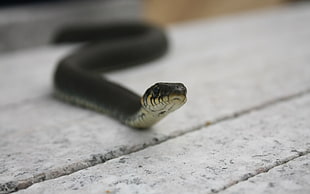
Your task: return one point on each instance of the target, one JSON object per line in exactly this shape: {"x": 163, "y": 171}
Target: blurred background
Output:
{"x": 30, "y": 23}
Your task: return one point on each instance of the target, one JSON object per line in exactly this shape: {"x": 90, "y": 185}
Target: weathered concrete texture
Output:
{"x": 229, "y": 65}
{"x": 205, "y": 161}
{"x": 30, "y": 26}
{"x": 292, "y": 177}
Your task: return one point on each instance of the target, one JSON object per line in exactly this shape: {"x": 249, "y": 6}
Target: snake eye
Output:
{"x": 156, "y": 91}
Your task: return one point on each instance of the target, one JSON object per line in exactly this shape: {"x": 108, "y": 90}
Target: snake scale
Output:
{"x": 78, "y": 77}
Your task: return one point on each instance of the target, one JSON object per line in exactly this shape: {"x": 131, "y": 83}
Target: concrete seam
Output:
{"x": 22, "y": 102}
{"x": 261, "y": 171}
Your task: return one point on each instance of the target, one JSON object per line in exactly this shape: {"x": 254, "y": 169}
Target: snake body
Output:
{"x": 78, "y": 77}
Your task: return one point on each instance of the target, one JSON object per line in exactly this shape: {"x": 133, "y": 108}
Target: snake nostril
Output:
{"x": 181, "y": 89}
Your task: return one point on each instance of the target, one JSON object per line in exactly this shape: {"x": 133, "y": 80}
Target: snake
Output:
{"x": 79, "y": 77}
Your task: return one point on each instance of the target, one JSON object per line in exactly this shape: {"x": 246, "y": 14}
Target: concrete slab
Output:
{"x": 230, "y": 66}
{"x": 291, "y": 177}
{"x": 33, "y": 25}
{"x": 210, "y": 160}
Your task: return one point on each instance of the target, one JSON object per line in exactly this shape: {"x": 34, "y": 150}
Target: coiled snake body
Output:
{"x": 78, "y": 77}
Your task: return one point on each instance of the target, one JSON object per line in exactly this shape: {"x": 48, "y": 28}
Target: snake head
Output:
{"x": 163, "y": 98}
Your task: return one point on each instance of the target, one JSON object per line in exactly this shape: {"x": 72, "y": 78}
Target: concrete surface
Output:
{"x": 33, "y": 25}
{"x": 291, "y": 177}
{"x": 248, "y": 81}
{"x": 209, "y": 160}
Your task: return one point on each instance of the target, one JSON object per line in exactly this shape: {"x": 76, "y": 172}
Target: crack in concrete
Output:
{"x": 22, "y": 102}
{"x": 13, "y": 186}
{"x": 261, "y": 171}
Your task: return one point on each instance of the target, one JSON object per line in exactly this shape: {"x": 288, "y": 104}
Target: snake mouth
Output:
{"x": 179, "y": 98}
{"x": 178, "y": 95}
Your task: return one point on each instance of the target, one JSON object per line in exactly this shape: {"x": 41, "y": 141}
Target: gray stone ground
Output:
{"x": 290, "y": 177}
{"x": 210, "y": 159}
{"x": 29, "y": 26}
{"x": 244, "y": 129}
